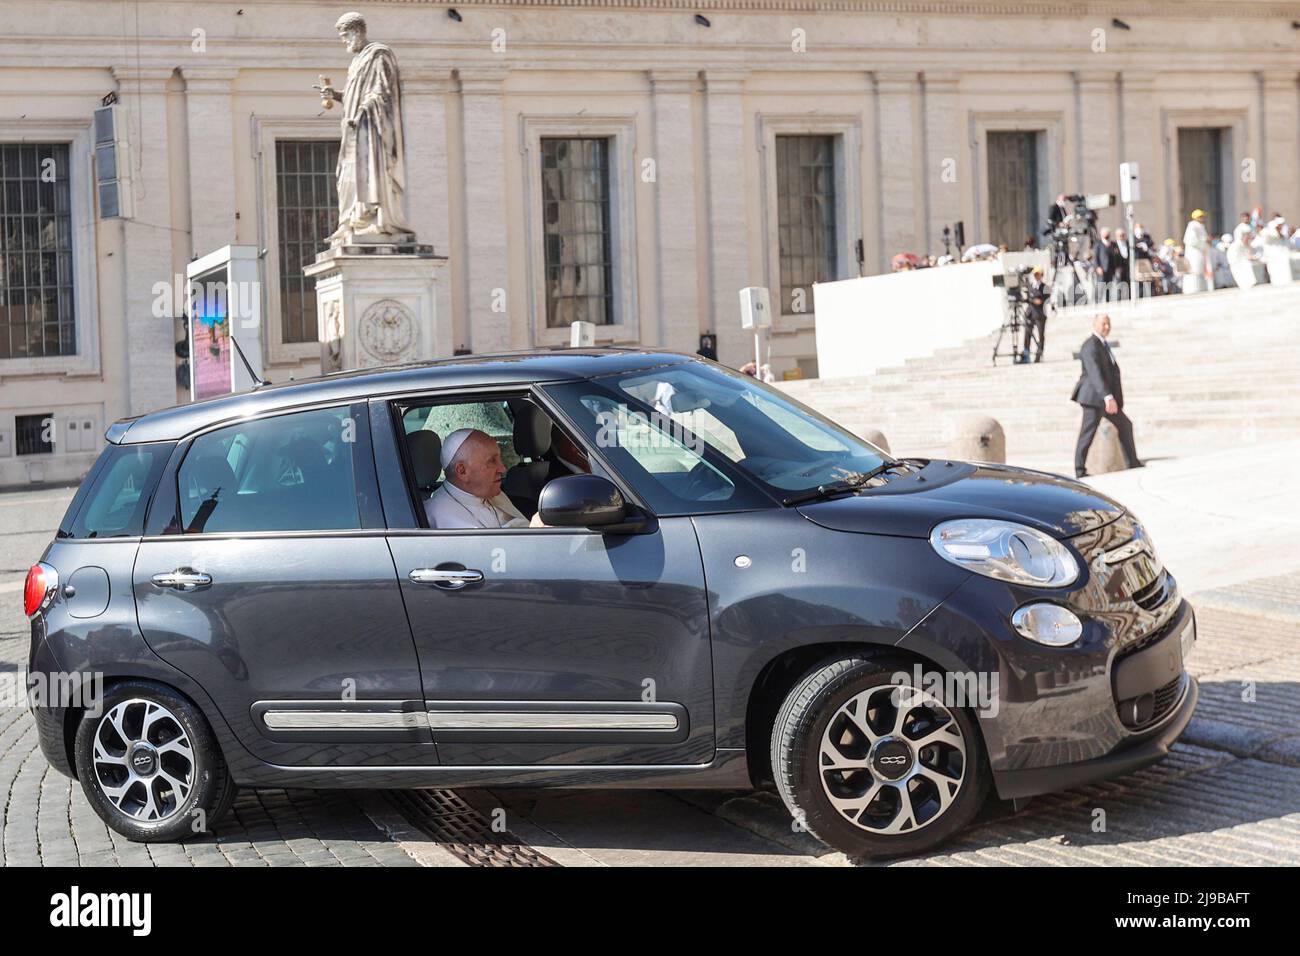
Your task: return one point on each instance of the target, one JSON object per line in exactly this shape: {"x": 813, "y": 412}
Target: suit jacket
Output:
{"x": 1054, "y": 216}
{"x": 1100, "y": 376}
{"x": 1111, "y": 263}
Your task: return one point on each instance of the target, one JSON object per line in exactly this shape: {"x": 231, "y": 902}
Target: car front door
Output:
{"x": 264, "y": 575}
{"x": 551, "y": 646}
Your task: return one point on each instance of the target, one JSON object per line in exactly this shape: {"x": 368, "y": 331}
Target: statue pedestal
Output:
{"x": 376, "y": 304}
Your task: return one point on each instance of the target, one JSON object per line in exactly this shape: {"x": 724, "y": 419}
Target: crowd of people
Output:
{"x": 1257, "y": 250}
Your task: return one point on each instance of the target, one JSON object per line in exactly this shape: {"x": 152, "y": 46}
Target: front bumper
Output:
{"x": 1114, "y": 701}
{"x": 1154, "y": 746}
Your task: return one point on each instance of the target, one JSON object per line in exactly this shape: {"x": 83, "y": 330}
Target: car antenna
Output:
{"x": 258, "y": 381}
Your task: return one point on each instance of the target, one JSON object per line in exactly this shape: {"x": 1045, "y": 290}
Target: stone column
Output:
{"x": 946, "y": 175}
{"x": 147, "y": 340}
{"x": 1279, "y": 180}
{"x": 424, "y": 100}
{"x": 1096, "y": 138}
{"x": 1140, "y": 143}
{"x": 728, "y": 237}
{"x": 486, "y": 214}
{"x": 897, "y": 126}
{"x": 210, "y": 128}
{"x": 677, "y": 266}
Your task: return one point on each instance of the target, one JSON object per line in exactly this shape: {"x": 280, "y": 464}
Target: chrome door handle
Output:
{"x": 182, "y": 579}
{"x": 448, "y": 578}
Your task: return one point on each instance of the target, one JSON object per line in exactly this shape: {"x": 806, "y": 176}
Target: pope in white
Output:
{"x": 471, "y": 495}
{"x": 1196, "y": 248}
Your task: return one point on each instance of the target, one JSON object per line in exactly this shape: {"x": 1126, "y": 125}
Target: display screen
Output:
{"x": 210, "y": 354}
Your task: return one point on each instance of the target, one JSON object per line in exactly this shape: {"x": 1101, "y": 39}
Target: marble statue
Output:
{"x": 372, "y": 163}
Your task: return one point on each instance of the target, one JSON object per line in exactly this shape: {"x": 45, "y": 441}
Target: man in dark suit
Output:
{"x": 1056, "y": 214}
{"x": 1110, "y": 260}
{"x": 1035, "y": 315}
{"x": 1100, "y": 393}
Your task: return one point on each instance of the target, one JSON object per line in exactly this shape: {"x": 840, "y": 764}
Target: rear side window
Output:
{"x": 295, "y": 472}
{"x": 118, "y": 491}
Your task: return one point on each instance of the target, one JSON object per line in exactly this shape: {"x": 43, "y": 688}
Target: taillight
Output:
{"x": 38, "y": 593}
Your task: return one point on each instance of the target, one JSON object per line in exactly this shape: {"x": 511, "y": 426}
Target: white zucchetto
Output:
{"x": 451, "y": 445}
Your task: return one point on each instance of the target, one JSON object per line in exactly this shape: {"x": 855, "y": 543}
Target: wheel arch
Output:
{"x": 780, "y": 675}
{"x": 72, "y": 716}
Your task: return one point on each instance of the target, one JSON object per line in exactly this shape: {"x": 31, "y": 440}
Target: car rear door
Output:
{"x": 552, "y": 646}
{"x": 265, "y": 576}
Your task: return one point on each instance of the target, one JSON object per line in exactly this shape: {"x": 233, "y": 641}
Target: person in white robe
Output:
{"x": 1219, "y": 262}
{"x": 1196, "y": 249}
{"x": 1277, "y": 251}
{"x": 1241, "y": 259}
{"x": 471, "y": 495}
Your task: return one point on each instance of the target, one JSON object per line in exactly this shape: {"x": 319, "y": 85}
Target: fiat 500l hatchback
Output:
{"x": 725, "y": 590}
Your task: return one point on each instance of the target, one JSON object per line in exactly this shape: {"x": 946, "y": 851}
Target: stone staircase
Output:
{"x": 1218, "y": 369}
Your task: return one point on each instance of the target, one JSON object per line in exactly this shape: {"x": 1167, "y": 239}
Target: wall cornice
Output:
{"x": 1179, "y": 9}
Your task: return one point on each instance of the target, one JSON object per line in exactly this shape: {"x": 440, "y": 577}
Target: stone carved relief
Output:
{"x": 387, "y": 330}
{"x": 332, "y": 359}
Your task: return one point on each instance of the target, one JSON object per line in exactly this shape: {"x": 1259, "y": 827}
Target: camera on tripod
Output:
{"x": 1015, "y": 282}
{"x": 1025, "y": 304}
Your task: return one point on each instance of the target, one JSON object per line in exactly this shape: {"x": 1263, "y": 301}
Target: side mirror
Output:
{"x": 582, "y": 501}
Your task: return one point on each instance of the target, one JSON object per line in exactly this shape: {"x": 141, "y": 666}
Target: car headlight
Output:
{"x": 1006, "y": 551}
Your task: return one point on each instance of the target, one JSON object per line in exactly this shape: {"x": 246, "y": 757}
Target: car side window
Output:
{"x": 293, "y": 472}
{"x": 657, "y": 449}
{"x": 115, "y": 505}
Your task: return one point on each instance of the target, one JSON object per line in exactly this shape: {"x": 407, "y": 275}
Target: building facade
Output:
{"x": 632, "y": 164}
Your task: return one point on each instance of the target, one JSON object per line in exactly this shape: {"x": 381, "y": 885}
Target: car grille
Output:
{"x": 1153, "y": 595}
{"x": 1133, "y": 712}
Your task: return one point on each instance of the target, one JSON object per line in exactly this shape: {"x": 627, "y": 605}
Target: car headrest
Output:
{"x": 532, "y": 430}
{"x": 209, "y": 473}
{"x": 307, "y": 455}
{"x": 426, "y": 455}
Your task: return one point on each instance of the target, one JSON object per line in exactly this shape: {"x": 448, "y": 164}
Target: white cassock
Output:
{"x": 1277, "y": 253}
{"x": 1239, "y": 258}
{"x": 450, "y": 507}
{"x": 1196, "y": 245}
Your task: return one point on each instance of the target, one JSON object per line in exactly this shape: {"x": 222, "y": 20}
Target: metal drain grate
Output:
{"x": 463, "y": 831}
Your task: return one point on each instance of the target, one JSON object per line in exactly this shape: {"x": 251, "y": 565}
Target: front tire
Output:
{"x": 150, "y": 766}
{"x": 873, "y": 767}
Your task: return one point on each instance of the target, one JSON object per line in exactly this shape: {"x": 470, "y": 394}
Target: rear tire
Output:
{"x": 873, "y": 771}
{"x": 150, "y": 766}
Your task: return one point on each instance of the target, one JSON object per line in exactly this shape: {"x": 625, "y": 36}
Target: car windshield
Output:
{"x": 681, "y": 419}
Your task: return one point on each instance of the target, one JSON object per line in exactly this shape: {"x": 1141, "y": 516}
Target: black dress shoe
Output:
{"x": 1081, "y": 474}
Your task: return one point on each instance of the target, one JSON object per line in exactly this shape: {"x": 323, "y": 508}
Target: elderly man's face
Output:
{"x": 1102, "y": 325}
{"x": 354, "y": 38}
{"x": 479, "y": 469}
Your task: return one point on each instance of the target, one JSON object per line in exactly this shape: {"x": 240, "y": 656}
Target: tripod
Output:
{"x": 1072, "y": 247}
{"x": 1012, "y": 330}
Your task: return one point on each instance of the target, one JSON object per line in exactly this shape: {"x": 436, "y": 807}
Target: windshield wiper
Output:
{"x": 839, "y": 487}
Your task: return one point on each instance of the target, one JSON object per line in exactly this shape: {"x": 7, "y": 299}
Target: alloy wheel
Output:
{"x": 143, "y": 760}
{"x": 892, "y": 759}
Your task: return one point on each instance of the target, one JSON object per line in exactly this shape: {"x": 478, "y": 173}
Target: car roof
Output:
{"x": 507, "y": 369}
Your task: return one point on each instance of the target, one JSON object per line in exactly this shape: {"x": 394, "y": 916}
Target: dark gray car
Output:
{"x": 730, "y": 592}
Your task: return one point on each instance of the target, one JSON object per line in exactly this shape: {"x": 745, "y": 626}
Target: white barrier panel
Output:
{"x": 877, "y": 321}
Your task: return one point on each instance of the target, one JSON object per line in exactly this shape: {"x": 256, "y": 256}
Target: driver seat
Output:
{"x": 524, "y": 482}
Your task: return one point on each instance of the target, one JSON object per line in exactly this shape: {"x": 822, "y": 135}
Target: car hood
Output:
{"x": 911, "y": 505}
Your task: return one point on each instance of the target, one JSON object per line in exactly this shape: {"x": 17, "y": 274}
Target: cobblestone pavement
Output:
{"x": 1228, "y": 794}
